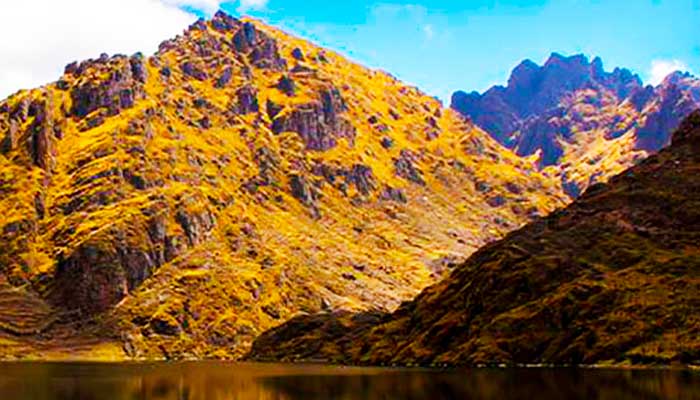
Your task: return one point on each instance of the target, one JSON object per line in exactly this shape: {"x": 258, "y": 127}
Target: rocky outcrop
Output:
{"x": 359, "y": 175}
{"x": 490, "y": 112}
{"x": 543, "y": 135}
{"x": 196, "y": 225}
{"x": 362, "y": 178}
{"x": 286, "y": 85}
{"x": 193, "y": 70}
{"x": 260, "y": 50}
{"x": 301, "y": 189}
{"x": 247, "y": 101}
{"x": 298, "y": 54}
{"x": 104, "y": 270}
{"x": 92, "y": 279}
{"x": 37, "y": 141}
{"x": 224, "y": 79}
{"x": 406, "y": 168}
{"x": 392, "y": 194}
{"x": 246, "y": 43}
{"x": 320, "y": 124}
{"x": 119, "y": 86}
{"x": 41, "y": 141}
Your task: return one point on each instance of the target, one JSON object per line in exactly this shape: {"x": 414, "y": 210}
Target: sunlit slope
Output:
{"x": 188, "y": 201}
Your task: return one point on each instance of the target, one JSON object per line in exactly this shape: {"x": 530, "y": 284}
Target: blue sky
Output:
{"x": 439, "y": 45}
{"x": 445, "y": 45}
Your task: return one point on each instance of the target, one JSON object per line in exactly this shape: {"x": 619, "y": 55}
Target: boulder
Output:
{"x": 297, "y": 54}
{"x": 286, "y": 85}
{"x": 192, "y": 70}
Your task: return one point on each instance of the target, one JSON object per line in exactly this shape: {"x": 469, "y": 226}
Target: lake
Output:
{"x": 219, "y": 381}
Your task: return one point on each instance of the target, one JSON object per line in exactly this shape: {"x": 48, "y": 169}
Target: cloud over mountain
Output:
{"x": 44, "y": 35}
{"x": 660, "y": 69}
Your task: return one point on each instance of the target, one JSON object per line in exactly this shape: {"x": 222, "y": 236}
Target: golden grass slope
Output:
{"x": 179, "y": 205}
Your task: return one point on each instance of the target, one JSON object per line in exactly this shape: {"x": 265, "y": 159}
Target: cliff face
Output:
{"x": 578, "y": 122}
{"x": 611, "y": 279}
{"x": 178, "y": 205}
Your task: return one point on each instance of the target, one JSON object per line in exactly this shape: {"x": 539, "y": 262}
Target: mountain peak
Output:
{"x": 224, "y": 21}
{"x": 555, "y": 111}
{"x": 526, "y": 64}
{"x": 597, "y": 68}
{"x": 676, "y": 77}
{"x": 560, "y": 59}
{"x": 524, "y": 75}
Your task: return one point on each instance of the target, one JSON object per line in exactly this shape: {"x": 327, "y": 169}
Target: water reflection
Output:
{"x": 214, "y": 381}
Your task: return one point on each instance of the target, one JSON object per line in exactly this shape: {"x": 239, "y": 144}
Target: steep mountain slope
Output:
{"x": 613, "y": 278}
{"x": 579, "y": 122}
{"x": 178, "y": 205}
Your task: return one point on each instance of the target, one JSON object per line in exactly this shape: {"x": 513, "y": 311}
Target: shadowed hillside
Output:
{"x": 612, "y": 279}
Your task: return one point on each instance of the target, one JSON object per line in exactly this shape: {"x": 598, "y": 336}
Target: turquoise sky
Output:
{"x": 445, "y": 45}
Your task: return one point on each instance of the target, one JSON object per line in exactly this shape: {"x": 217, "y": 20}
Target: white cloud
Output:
{"x": 660, "y": 69}
{"x": 39, "y": 37}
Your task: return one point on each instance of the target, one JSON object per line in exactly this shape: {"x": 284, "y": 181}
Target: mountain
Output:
{"x": 611, "y": 279}
{"x": 180, "y": 204}
{"x": 578, "y": 122}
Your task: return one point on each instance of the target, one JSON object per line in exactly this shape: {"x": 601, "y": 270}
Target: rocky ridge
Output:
{"x": 578, "y": 122}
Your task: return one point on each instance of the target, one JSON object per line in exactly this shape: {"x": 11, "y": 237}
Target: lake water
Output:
{"x": 219, "y": 381}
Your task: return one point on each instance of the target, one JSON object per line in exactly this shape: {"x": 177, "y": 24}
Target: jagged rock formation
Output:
{"x": 579, "y": 122}
{"x": 611, "y": 279}
{"x": 178, "y": 205}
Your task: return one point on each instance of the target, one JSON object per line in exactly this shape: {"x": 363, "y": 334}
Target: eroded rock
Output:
{"x": 405, "y": 167}
{"x": 320, "y": 124}
{"x": 119, "y": 87}
{"x": 247, "y": 100}
{"x": 102, "y": 271}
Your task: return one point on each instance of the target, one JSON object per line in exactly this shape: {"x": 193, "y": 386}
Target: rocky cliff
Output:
{"x": 178, "y": 205}
{"x": 610, "y": 280}
{"x": 578, "y": 122}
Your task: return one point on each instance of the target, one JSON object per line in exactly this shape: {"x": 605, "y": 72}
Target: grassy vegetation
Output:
{"x": 166, "y": 214}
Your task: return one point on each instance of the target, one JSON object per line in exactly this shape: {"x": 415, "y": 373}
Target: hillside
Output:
{"x": 612, "y": 279}
{"x": 578, "y": 122}
{"x": 180, "y": 204}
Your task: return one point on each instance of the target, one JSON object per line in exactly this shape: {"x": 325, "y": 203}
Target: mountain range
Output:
{"x": 245, "y": 193}
{"x": 578, "y": 122}
{"x": 178, "y": 205}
